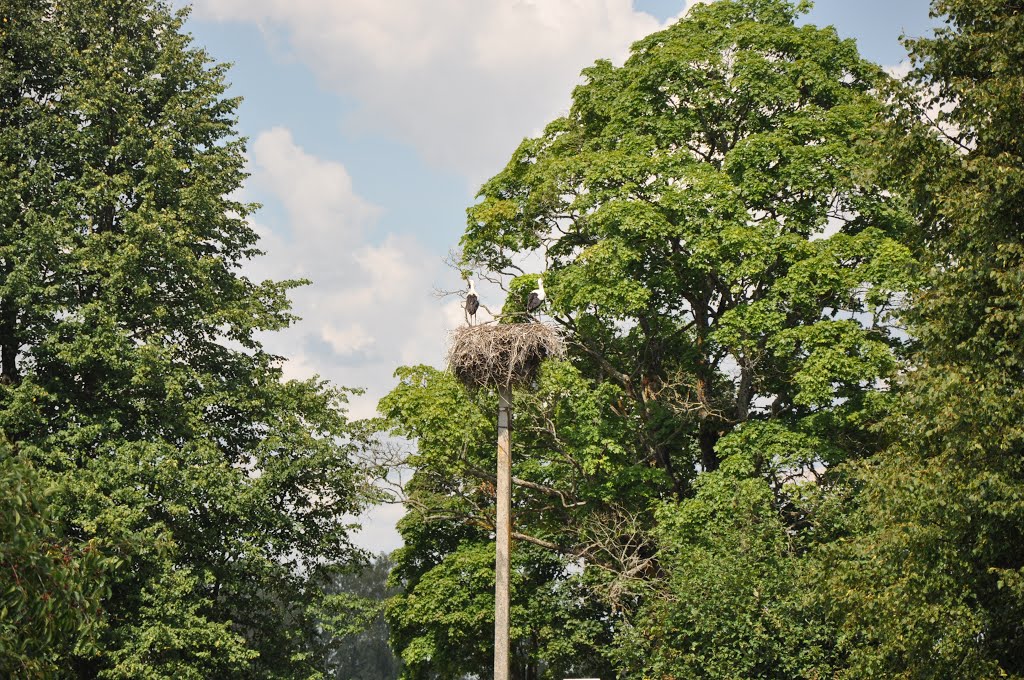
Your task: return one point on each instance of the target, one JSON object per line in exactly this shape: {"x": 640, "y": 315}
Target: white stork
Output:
{"x": 537, "y": 297}
{"x": 472, "y": 303}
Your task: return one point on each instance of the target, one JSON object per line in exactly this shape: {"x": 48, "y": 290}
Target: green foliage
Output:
{"x": 734, "y": 604}
{"x": 442, "y": 620}
{"x": 724, "y": 254}
{"x": 929, "y": 583}
{"x": 50, "y": 586}
{"x": 131, "y": 369}
{"x": 680, "y": 206}
{"x": 353, "y": 619}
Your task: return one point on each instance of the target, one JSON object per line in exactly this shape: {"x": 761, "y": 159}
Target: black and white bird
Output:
{"x": 472, "y": 303}
{"x": 537, "y": 297}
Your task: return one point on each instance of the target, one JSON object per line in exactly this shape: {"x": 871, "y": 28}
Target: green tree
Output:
{"x": 732, "y": 604}
{"x": 679, "y": 207}
{"x": 354, "y": 622}
{"x": 931, "y": 581}
{"x": 50, "y": 607}
{"x": 442, "y": 620}
{"x": 721, "y": 251}
{"x": 131, "y": 370}
{"x": 720, "y": 246}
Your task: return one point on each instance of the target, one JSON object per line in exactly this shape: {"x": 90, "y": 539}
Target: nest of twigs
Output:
{"x": 502, "y": 355}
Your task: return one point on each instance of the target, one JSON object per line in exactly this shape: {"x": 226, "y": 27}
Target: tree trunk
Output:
{"x": 9, "y": 344}
{"x": 707, "y": 438}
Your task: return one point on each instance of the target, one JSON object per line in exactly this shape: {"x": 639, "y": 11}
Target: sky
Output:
{"x": 371, "y": 125}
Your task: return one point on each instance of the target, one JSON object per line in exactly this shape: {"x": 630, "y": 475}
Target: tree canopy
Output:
{"x": 132, "y": 376}
{"x": 725, "y": 254}
{"x": 785, "y": 441}
{"x": 932, "y": 582}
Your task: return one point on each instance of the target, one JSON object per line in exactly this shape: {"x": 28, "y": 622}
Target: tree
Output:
{"x": 442, "y": 619}
{"x": 931, "y": 581}
{"x": 355, "y": 625}
{"x": 736, "y": 598}
{"x": 679, "y": 206}
{"x": 131, "y": 369}
{"x": 721, "y": 251}
{"x": 52, "y": 587}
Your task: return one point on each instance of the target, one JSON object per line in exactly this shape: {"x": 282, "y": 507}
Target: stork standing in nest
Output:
{"x": 537, "y": 297}
{"x": 472, "y": 303}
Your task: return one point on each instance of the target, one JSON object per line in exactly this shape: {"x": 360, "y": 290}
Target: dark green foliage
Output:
{"x": 444, "y": 622}
{"x": 131, "y": 371}
{"x": 735, "y": 602}
{"x": 931, "y": 584}
{"x": 50, "y": 587}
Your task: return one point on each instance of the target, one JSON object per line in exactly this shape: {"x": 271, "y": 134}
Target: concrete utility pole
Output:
{"x": 503, "y": 535}
{"x": 502, "y": 356}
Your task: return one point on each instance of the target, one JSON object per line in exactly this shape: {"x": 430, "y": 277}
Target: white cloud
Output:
{"x": 371, "y": 306}
{"x": 900, "y": 70}
{"x": 461, "y": 80}
{"x": 348, "y": 340}
{"x": 313, "y": 192}
{"x": 377, "y": 531}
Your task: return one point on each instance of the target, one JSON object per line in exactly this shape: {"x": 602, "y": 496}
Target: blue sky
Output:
{"x": 371, "y": 123}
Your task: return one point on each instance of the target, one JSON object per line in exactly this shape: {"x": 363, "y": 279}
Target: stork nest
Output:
{"x": 502, "y": 355}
